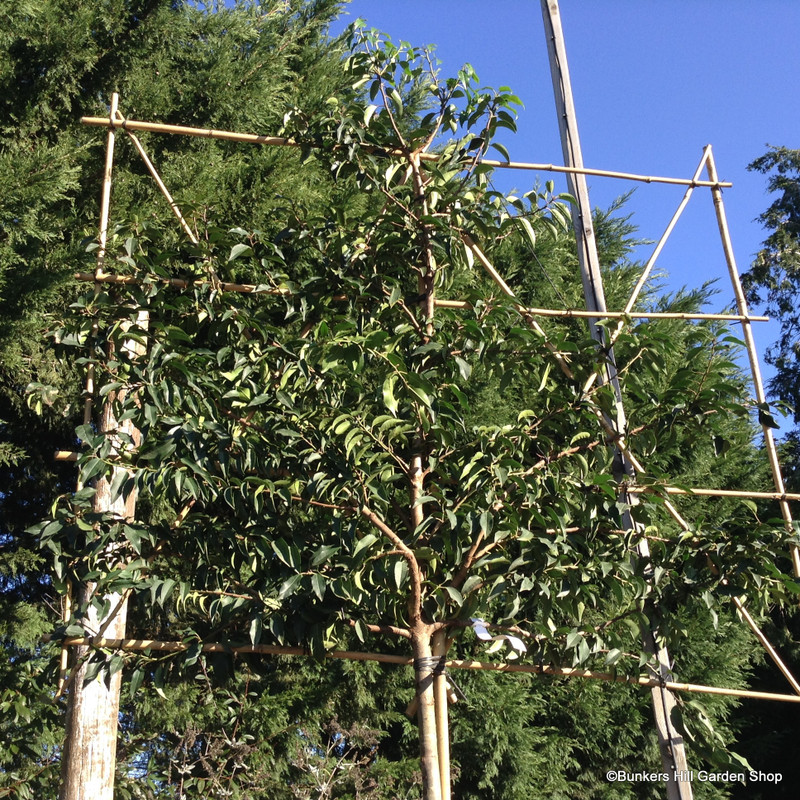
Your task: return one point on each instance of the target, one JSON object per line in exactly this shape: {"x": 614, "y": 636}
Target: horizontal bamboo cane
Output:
{"x": 715, "y": 493}
{"x": 249, "y": 288}
{"x": 350, "y": 655}
{"x": 582, "y": 313}
{"x": 179, "y": 283}
{"x": 281, "y": 141}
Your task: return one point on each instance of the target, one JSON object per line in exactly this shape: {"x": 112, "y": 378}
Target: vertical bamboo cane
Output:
{"x": 755, "y": 369}
{"x": 105, "y": 203}
{"x": 88, "y": 396}
{"x": 439, "y": 649}
{"x": 670, "y": 742}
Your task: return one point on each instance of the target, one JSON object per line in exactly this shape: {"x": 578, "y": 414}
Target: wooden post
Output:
{"x": 88, "y": 760}
{"x": 670, "y": 742}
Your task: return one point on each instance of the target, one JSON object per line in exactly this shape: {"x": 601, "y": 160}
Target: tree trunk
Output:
{"x": 426, "y": 714}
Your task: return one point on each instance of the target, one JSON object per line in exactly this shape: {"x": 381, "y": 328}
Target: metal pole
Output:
{"x": 670, "y": 742}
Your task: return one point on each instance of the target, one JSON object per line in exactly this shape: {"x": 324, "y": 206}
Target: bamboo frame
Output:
{"x": 767, "y": 645}
{"x": 105, "y": 205}
{"x": 670, "y": 741}
{"x": 745, "y": 615}
{"x": 282, "y": 141}
{"x": 89, "y": 386}
{"x": 450, "y": 663}
{"x": 651, "y": 262}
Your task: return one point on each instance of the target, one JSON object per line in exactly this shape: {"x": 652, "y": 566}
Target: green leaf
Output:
{"x": 323, "y": 553}
{"x": 464, "y": 368}
{"x": 318, "y": 584}
{"x": 389, "y": 400}
{"x": 368, "y": 113}
{"x": 255, "y": 630}
{"x": 239, "y": 250}
{"x": 135, "y": 682}
{"x": 527, "y": 229}
{"x": 288, "y": 586}
{"x": 286, "y": 552}
{"x": 454, "y": 595}
{"x": 365, "y": 542}
{"x": 765, "y": 418}
{"x": 400, "y": 573}
{"x": 361, "y": 631}
{"x": 502, "y": 150}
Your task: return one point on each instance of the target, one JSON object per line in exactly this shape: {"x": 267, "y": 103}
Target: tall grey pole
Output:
{"x": 670, "y": 742}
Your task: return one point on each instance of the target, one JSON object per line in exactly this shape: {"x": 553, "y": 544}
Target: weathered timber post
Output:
{"x": 673, "y": 755}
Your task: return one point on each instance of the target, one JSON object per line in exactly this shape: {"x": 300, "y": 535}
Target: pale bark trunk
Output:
{"x": 426, "y": 716}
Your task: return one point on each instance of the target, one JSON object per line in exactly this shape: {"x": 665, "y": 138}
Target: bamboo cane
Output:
{"x": 618, "y": 438}
{"x": 663, "y": 240}
{"x": 439, "y": 650}
{"x": 249, "y": 288}
{"x": 281, "y": 141}
{"x": 583, "y": 314}
{"x": 649, "y": 267}
{"x": 670, "y": 741}
{"x": 766, "y": 644}
{"x": 160, "y": 183}
{"x": 88, "y": 402}
{"x": 182, "y": 283}
{"x": 105, "y": 204}
{"x": 746, "y": 495}
{"x": 755, "y": 369}
{"x": 386, "y": 658}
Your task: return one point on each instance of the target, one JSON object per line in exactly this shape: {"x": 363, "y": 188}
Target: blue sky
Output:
{"x": 654, "y": 82}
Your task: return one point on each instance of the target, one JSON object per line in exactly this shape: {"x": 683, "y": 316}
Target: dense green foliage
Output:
{"x": 355, "y": 462}
{"x": 774, "y": 277}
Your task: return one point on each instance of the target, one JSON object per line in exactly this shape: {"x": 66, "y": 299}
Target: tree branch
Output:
{"x": 415, "y": 601}
{"x": 393, "y": 629}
